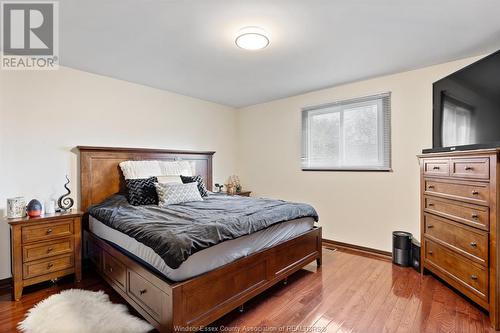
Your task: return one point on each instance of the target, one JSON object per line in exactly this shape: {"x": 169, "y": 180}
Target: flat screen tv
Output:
{"x": 466, "y": 107}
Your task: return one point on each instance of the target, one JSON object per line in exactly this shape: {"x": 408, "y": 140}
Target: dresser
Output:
{"x": 459, "y": 228}
{"x": 44, "y": 248}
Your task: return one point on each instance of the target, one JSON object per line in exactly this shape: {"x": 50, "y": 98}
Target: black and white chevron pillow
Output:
{"x": 201, "y": 185}
{"x": 141, "y": 191}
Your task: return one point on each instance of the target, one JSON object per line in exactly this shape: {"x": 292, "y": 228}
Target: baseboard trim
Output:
{"x": 358, "y": 249}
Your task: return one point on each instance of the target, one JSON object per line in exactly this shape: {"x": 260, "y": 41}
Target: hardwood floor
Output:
{"x": 349, "y": 293}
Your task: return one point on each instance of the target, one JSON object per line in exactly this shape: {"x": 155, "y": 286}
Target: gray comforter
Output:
{"x": 178, "y": 231}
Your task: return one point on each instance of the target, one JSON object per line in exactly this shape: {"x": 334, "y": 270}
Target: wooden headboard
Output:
{"x": 101, "y": 176}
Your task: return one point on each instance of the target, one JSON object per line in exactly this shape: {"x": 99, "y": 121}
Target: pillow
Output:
{"x": 172, "y": 194}
{"x": 140, "y": 169}
{"x": 145, "y": 169}
{"x": 141, "y": 191}
{"x": 199, "y": 181}
{"x": 169, "y": 179}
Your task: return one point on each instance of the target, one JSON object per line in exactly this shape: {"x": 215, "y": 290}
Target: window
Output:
{"x": 348, "y": 135}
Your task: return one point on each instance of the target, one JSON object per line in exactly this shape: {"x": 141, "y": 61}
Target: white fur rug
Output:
{"x": 81, "y": 311}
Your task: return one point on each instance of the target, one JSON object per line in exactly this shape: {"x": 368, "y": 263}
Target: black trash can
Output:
{"x": 401, "y": 248}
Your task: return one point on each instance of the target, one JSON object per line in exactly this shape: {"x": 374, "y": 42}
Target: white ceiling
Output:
{"x": 187, "y": 46}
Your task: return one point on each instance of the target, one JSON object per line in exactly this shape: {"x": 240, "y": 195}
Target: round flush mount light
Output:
{"x": 252, "y": 38}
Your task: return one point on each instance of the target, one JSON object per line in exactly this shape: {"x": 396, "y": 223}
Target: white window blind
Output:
{"x": 348, "y": 135}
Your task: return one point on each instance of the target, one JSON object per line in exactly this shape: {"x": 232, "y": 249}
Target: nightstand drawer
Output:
{"x": 42, "y": 267}
{"x": 47, "y": 231}
{"x": 47, "y": 249}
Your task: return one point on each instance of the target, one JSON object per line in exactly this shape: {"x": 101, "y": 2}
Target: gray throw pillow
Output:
{"x": 172, "y": 193}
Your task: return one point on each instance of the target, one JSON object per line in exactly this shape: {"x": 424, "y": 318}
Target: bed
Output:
{"x": 210, "y": 283}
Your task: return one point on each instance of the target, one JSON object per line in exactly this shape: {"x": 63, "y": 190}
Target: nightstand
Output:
{"x": 244, "y": 193}
{"x": 44, "y": 248}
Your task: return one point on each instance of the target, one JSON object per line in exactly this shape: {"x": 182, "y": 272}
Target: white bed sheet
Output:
{"x": 210, "y": 258}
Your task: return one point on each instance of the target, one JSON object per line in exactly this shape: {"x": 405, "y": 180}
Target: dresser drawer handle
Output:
{"x": 473, "y": 244}
{"x": 49, "y": 250}
{"x": 474, "y": 216}
{"x": 430, "y": 226}
{"x": 142, "y": 291}
{"x": 473, "y": 277}
{"x": 50, "y": 265}
{"x": 110, "y": 269}
{"x": 475, "y": 192}
{"x": 435, "y": 168}
{"x": 430, "y": 187}
{"x": 431, "y": 204}
{"x": 49, "y": 231}
{"x": 469, "y": 168}
{"x": 431, "y": 253}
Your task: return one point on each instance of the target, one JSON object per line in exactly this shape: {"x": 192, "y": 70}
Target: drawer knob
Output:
{"x": 110, "y": 269}
{"x": 431, "y": 253}
{"x": 49, "y": 231}
{"x": 468, "y": 168}
{"x": 475, "y": 192}
{"x": 49, "y": 250}
{"x": 473, "y": 277}
{"x": 430, "y": 187}
{"x": 142, "y": 291}
{"x": 431, "y": 204}
{"x": 50, "y": 265}
{"x": 435, "y": 168}
{"x": 430, "y": 226}
{"x": 473, "y": 244}
{"x": 475, "y": 216}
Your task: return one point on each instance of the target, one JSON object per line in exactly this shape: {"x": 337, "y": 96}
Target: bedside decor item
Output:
{"x": 65, "y": 202}
{"x": 34, "y": 208}
{"x": 44, "y": 249}
{"x": 231, "y": 189}
{"x": 16, "y": 207}
{"x": 235, "y": 182}
{"x": 95, "y": 313}
{"x": 219, "y": 187}
{"x": 50, "y": 207}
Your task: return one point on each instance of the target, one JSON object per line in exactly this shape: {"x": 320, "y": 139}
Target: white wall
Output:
{"x": 361, "y": 208}
{"x": 44, "y": 115}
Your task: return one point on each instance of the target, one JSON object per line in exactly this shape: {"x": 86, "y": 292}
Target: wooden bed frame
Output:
{"x": 195, "y": 303}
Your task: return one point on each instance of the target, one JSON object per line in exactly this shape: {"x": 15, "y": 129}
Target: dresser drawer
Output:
{"x": 47, "y": 249}
{"x": 478, "y": 193}
{"x": 470, "y": 242}
{"x": 458, "y": 268}
{"x": 145, "y": 294}
{"x": 114, "y": 270}
{"x": 42, "y": 267}
{"x": 473, "y": 215}
{"x": 476, "y": 168}
{"x": 436, "y": 167}
{"x": 34, "y": 233}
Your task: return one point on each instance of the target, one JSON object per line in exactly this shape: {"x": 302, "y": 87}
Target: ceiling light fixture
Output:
{"x": 252, "y": 38}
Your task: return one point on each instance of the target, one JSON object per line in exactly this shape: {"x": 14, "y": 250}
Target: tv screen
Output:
{"x": 466, "y": 106}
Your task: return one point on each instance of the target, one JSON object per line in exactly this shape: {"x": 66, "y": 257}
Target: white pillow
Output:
{"x": 146, "y": 169}
{"x": 140, "y": 169}
{"x": 169, "y": 179}
{"x": 172, "y": 194}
